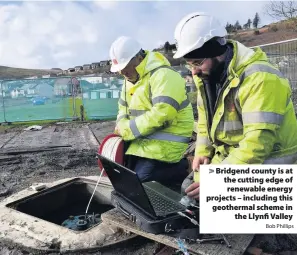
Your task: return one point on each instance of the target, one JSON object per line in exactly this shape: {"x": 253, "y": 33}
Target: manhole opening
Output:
{"x": 66, "y": 204}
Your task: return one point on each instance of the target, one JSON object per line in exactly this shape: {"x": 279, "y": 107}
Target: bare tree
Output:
{"x": 281, "y": 9}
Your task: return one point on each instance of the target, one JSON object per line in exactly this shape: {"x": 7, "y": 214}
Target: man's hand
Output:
{"x": 117, "y": 130}
{"x": 193, "y": 190}
{"x": 198, "y": 160}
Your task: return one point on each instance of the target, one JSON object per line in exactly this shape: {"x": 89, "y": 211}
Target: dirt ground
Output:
{"x": 18, "y": 171}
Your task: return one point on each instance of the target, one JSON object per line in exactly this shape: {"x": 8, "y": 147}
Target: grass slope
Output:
{"x": 17, "y": 73}
{"x": 275, "y": 32}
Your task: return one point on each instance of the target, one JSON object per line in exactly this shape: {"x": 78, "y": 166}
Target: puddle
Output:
{"x": 65, "y": 205}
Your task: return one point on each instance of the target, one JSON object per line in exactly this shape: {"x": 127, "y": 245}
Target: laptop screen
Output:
{"x": 127, "y": 184}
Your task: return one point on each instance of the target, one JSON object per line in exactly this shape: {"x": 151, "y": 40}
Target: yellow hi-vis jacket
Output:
{"x": 155, "y": 114}
{"x": 254, "y": 119}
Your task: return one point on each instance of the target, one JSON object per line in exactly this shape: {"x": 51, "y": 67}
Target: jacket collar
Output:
{"x": 243, "y": 56}
{"x": 151, "y": 61}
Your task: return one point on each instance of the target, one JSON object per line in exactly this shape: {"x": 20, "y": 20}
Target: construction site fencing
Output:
{"x": 59, "y": 98}
{"x": 284, "y": 56}
{"x": 96, "y": 97}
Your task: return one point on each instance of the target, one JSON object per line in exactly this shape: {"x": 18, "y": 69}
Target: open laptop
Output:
{"x": 151, "y": 198}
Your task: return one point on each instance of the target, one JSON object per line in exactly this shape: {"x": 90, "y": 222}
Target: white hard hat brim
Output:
{"x": 118, "y": 67}
{"x": 182, "y": 51}
{"x": 179, "y": 54}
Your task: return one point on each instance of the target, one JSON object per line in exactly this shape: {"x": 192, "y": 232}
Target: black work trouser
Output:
{"x": 169, "y": 174}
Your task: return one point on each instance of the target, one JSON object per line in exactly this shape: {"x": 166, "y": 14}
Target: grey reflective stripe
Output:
{"x": 137, "y": 112}
{"x": 262, "y": 117}
{"x": 168, "y": 100}
{"x": 122, "y": 102}
{"x": 152, "y": 72}
{"x": 230, "y": 125}
{"x": 260, "y": 68}
{"x": 203, "y": 140}
{"x": 134, "y": 129}
{"x": 171, "y": 101}
{"x": 158, "y": 135}
{"x": 122, "y": 116}
{"x": 288, "y": 101}
{"x": 251, "y": 70}
{"x": 284, "y": 160}
{"x": 168, "y": 67}
{"x": 288, "y": 159}
{"x": 168, "y": 137}
{"x": 184, "y": 104}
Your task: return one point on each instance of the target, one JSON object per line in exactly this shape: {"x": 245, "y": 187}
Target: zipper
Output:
{"x": 215, "y": 108}
{"x": 227, "y": 82}
{"x": 219, "y": 96}
{"x": 206, "y": 105}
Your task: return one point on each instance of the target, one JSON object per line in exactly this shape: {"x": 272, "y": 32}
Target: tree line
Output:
{"x": 279, "y": 10}
{"x": 248, "y": 25}
{"x": 167, "y": 47}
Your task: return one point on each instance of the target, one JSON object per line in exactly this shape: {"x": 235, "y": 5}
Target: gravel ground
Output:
{"x": 48, "y": 166}
{"x": 78, "y": 160}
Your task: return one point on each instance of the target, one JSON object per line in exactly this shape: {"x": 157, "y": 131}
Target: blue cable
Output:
{"x": 182, "y": 247}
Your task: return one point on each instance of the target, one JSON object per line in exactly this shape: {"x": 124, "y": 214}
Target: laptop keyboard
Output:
{"x": 161, "y": 204}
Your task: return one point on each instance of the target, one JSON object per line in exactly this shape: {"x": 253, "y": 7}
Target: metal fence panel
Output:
{"x": 96, "y": 97}
{"x": 100, "y": 96}
{"x": 62, "y": 98}
{"x": 30, "y": 99}
{"x": 36, "y": 99}
{"x": 284, "y": 56}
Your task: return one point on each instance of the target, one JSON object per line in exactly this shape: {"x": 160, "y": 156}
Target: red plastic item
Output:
{"x": 119, "y": 152}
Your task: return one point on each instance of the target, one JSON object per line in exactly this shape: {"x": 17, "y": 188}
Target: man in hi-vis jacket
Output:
{"x": 155, "y": 116}
{"x": 245, "y": 111}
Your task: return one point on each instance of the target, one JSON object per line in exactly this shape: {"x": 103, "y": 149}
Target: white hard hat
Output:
{"x": 122, "y": 51}
{"x": 194, "y": 30}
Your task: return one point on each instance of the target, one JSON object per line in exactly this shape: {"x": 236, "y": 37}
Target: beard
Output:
{"x": 215, "y": 72}
{"x": 133, "y": 79}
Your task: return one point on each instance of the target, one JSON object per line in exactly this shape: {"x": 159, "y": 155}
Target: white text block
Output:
{"x": 248, "y": 199}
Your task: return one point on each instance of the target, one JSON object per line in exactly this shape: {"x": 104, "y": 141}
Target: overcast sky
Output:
{"x": 64, "y": 34}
